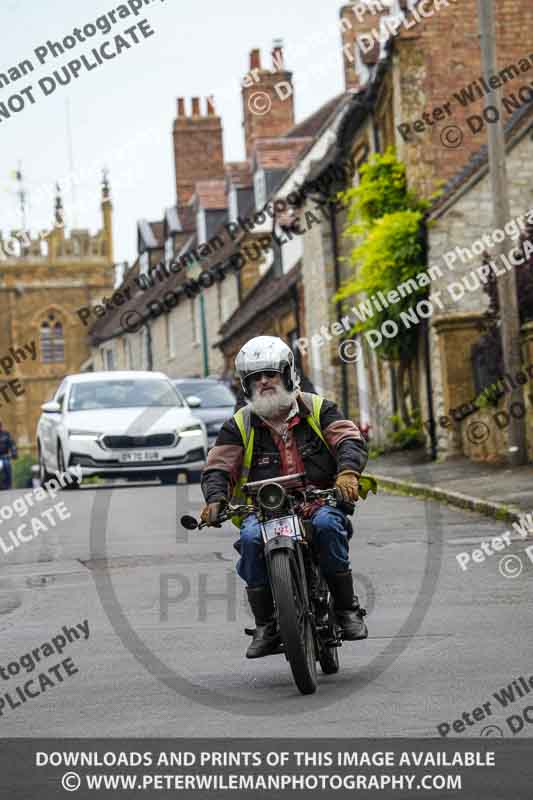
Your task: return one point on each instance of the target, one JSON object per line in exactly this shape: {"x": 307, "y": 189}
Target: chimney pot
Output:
{"x": 181, "y": 106}
{"x": 211, "y": 106}
{"x": 255, "y": 59}
{"x": 277, "y": 58}
{"x": 196, "y": 106}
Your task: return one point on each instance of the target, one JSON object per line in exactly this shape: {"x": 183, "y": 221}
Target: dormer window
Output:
{"x": 233, "y": 199}
{"x": 201, "y": 226}
{"x": 169, "y": 250}
{"x": 144, "y": 263}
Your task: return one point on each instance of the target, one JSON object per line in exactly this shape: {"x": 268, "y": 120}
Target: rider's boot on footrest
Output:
{"x": 266, "y": 639}
{"x": 349, "y": 613}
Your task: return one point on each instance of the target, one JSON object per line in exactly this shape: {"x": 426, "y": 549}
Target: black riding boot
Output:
{"x": 266, "y": 637}
{"x": 346, "y": 604}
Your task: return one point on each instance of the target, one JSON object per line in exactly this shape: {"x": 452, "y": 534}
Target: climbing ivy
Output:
{"x": 385, "y": 219}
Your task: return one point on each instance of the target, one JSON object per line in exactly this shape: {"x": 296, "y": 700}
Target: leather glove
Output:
{"x": 211, "y": 511}
{"x": 347, "y": 482}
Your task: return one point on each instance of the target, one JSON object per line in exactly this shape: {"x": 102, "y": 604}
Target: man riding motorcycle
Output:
{"x": 8, "y": 450}
{"x": 293, "y": 432}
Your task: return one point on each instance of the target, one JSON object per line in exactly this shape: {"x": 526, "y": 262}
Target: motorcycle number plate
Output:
{"x": 282, "y": 526}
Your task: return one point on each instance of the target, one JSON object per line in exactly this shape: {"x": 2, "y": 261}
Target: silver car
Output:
{"x": 210, "y": 400}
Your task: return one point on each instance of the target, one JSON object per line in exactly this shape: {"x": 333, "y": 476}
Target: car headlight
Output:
{"x": 191, "y": 430}
{"x": 83, "y": 435}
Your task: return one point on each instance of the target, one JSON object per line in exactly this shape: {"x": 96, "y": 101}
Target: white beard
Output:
{"x": 272, "y": 404}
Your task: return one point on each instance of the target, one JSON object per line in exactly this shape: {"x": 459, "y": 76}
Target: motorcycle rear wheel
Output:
{"x": 294, "y": 624}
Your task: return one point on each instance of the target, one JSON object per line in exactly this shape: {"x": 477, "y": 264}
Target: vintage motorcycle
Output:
{"x": 304, "y": 609}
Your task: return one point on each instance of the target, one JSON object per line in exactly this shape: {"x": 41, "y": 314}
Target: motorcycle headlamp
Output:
{"x": 271, "y": 496}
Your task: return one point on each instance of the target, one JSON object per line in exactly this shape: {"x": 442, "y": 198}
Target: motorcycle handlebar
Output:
{"x": 229, "y": 511}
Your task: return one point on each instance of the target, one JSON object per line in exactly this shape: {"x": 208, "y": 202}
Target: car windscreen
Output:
{"x": 212, "y": 395}
{"x": 122, "y": 393}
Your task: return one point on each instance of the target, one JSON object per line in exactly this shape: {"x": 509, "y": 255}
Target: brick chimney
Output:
{"x": 356, "y": 19}
{"x": 268, "y": 99}
{"x": 198, "y": 147}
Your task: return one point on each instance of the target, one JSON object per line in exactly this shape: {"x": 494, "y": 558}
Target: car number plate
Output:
{"x": 140, "y": 455}
{"x": 282, "y": 526}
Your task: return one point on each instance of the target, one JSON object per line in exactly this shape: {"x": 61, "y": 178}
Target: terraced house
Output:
{"x": 257, "y": 246}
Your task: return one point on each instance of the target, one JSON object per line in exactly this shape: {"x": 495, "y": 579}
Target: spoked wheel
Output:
{"x": 294, "y": 623}
{"x": 328, "y": 657}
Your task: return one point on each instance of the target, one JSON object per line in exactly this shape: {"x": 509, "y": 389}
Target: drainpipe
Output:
{"x": 429, "y": 393}
{"x": 149, "y": 353}
{"x": 203, "y": 323}
{"x": 427, "y": 362}
{"x": 338, "y": 305}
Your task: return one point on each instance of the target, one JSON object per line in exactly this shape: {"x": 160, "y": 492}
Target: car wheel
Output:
{"x": 44, "y": 475}
{"x": 74, "y": 484}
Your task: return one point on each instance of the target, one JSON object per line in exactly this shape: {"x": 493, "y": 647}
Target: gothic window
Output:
{"x": 52, "y": 341}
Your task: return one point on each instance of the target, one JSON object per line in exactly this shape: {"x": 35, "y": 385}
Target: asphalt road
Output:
{"x": 166, "y": 613}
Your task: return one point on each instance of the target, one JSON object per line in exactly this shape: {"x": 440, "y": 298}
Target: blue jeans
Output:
{"x": 330, "y": 534}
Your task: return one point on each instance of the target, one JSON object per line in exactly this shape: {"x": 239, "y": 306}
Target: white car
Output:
{"x": 115, "y": 424}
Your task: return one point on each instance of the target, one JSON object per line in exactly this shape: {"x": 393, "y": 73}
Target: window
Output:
{"x": 260, "y": 188}
{"x": 213, "y": 394}
{"x": 123, "y": 393}
{"x": 108, "y": 355}
{"x": 52, "y": 341}
{"x": 201, "y": 226}
{"x": 233, "y": 204}
{"x": 169, "y": 250}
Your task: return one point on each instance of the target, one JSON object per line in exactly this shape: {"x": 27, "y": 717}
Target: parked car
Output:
{"x": 120, "y": 424}
{"x": 210, "y": 400}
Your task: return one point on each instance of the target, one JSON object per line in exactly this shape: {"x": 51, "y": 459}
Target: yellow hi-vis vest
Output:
{"x": 242, "y": 418}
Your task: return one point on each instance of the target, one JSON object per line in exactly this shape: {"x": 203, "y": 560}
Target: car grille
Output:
{"x": 198, "y": 454}
{"x": 125, "y": 442}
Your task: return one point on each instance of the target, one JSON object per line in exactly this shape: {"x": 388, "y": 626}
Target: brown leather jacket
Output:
{"x": 347, "y": 449}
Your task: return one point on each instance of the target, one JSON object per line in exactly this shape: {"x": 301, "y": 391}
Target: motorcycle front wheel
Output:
{"x": 294, "y": 623}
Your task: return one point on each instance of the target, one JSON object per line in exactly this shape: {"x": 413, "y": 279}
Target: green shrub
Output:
{"x": 407, "y": 437}
{"x": 22, "y": 471}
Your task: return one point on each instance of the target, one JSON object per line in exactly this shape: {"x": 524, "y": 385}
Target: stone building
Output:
{"x": 396, "y": 81}
{"x": 41, "y": 289}
{"x": 460, "y": 219}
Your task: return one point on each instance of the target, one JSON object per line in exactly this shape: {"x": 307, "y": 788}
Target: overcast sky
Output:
{"x": 122, "y": 112}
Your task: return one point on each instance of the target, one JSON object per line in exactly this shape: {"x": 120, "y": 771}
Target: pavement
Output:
{"x": 499, "y": 491}
{"x": 166, "y": 617}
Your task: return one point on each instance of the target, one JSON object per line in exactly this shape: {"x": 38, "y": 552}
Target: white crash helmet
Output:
{"x": 266, "y": 353}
